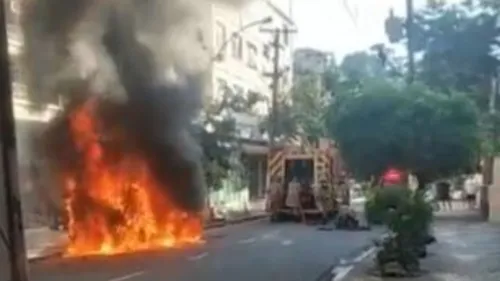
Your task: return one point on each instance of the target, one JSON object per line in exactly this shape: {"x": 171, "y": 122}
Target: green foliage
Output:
{"x": 380, "y": 200}
{"x": 310, "y": 102}
{"x": 303, "y": 113}
{"x": 218, "y": 137}
{"x": 408, "y": 127}
{"x": 456, "y": 42}
{"x": 361, "y": 65}
{"x": 408, "y": 216}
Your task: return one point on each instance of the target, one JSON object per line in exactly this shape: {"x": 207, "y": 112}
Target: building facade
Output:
{"x": 311, "y": 63}
{"x": 241, "y": 39}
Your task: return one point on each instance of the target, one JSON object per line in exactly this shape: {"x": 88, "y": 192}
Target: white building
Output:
{"x": 311, "y": 61}
{"x": 240, "y": 35}
{"x": 246, "y": 51}
{"x": 311, "y": 64}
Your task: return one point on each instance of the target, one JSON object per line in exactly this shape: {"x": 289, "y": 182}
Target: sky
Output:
{"x": 344, "y": 26}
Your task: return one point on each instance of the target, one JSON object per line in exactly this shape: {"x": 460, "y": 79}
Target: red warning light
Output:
{"x": 393, "y": 176}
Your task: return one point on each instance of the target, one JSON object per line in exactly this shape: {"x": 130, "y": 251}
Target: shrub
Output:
{"x": 408, "y": 216}
{"x": 381, "y": 200}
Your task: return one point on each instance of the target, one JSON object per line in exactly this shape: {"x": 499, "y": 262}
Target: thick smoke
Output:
{"x": 143, "y": 60}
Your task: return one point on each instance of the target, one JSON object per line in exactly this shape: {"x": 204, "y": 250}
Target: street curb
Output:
{"x": 237, "y": 221}
{"x": 57, "y": 251}
{"x": 47, "y": 254}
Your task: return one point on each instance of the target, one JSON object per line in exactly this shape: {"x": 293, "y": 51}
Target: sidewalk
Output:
{"x": 42, "y": 242}
{"x": 467, "y": 250}
{"x": 255, "y": 210}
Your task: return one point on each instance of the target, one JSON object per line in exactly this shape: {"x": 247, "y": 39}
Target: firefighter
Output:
{"x": 275, "y": 197}
{"x": 293, "y": 199}
{"x": 322, "y": 200}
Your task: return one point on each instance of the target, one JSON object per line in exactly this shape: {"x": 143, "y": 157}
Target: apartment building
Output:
{"x": 308, "y": 61}
{"x": 245, "y": 53}
{"x": 240, "y": 37}
{"x": 311, "y": 63}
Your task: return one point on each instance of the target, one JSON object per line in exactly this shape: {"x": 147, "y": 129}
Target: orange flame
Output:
{"x": 118, "y": 207}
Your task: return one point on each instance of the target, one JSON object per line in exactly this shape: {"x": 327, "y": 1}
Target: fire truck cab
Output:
{"x": 311, "y": 165}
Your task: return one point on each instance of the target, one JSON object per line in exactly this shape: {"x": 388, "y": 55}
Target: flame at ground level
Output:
{"x": 115, "y": 205}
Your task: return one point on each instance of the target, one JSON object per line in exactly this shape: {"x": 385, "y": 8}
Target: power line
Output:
{"x": 276, "y": 75}
{"x": 353, "y": 15}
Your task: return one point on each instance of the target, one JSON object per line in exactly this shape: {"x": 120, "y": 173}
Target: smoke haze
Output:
{"x": 120, "y": 52}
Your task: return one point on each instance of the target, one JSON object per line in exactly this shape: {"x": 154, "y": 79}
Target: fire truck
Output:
{"x": 310, "y": 164}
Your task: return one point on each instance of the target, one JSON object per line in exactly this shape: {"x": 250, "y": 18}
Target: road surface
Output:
{"x": 246, "y": 252}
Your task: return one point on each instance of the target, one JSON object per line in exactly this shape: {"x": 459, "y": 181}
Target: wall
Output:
{"x": 235, "y": 71}
{"x": 494, "y": 193}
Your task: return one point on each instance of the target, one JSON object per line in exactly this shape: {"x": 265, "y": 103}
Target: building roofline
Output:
{"x": 280, "y": 12}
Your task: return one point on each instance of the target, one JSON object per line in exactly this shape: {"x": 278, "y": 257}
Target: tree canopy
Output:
{"x": 455, "y": 43}
{"x": 218, "y": 134}
{"x": 302, "y": 113}
{"x": 414, "y": 128}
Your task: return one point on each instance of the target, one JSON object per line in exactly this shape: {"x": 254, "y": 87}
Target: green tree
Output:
{"x": 309, "y": 105}
{"x": 361, "y": 65}
{"x": 455, "y": 42}
{"x": 302, "y": 113}
{"x": 218, "y": 136}
{"x": 427, "y": 133}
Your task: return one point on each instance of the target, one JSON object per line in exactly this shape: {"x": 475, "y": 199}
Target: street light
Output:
{"x": 233, "y": 35}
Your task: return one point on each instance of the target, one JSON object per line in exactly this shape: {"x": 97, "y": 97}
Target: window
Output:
{"x": 266, "y": 51}
{"x": 285, "y": 81}
{"x": 252, "y": 55}
{"x": 245, "y": 131}
{"x": 200, "y": 38}
{"x": 222, "y": 87}
{"x": 220, "y": 38}
{"x": 286, "y": 35}
{"x": 237, "y": 47}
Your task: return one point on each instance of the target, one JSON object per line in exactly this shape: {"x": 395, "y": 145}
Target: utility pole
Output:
{"x": 275, "y": 75}
{"x": 489, "y": 160}
{"x": 410, "y": 15}
{"x": 11, "y": 234}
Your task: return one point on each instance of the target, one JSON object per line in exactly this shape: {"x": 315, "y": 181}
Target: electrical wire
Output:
{"x": 352, "y": 14}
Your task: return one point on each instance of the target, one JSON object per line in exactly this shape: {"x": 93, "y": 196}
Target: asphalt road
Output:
{"x": 246, "y": 252}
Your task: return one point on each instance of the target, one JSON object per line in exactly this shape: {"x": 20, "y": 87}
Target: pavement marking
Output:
{"x": 286, "y": 242}
{"x": 339, "y": 273}
{"x": 247, "y": 241}
{"x": 128, "y": 276}
{"x": 198, "y": 257}
{"x": 364, "y": 255}
{"x": 270, "y": 235}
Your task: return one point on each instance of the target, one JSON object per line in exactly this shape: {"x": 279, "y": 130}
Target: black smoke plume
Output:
{"x": 119, "y": 53}
{"x": 157, "y": 115}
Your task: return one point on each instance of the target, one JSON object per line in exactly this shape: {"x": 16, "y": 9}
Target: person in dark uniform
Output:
{"x": 443, "y": 194}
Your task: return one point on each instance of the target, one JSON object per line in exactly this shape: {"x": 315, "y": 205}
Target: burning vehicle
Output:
{"x": 122, "y": 150}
